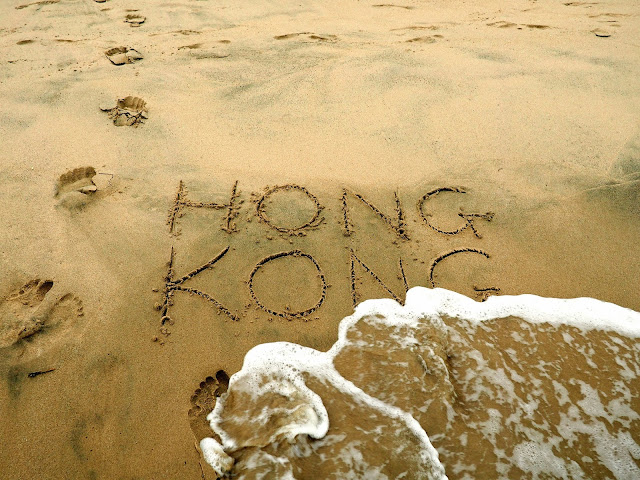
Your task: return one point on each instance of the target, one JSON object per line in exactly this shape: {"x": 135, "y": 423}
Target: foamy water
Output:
{"x": 514, "y": 387}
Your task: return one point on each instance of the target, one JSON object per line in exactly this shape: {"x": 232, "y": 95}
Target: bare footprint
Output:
{"x": 123, "y": 55}
{"x": 75, "y": 188}
{"x": 31, "y": 321}
{"x": 287, "y": 36}
{"x": 426, "y": 39}
{"x": 129, "y": 111}
{"x": 382, "y": 5}
{"x": 60, "y": 320}
{"x": 134, "y": 19}
{"x": 196, "y": 51}
{"x": 193, "y": 46}
{"x": 309, "y": 35}
{"x": 612, "y": 15}
{"x": 204, "y": 400}
{"x": 18, "y": 312}
{"x": 416, "y": 27}
{"x": 600, "y": 32}
{"x": 324, "y": 38}
{"x": 205, "y": 55}
{"x": 505, "y": 24}
{"x": 181, "y": 32}
{"x": 41, "y": 3}
{"x": 502, "y": 24}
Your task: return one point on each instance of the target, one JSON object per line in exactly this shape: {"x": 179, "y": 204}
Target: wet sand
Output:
{"x": 486, "y": 148}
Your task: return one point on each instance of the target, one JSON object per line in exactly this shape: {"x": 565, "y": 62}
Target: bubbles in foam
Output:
{"x": 277, "y": 412}
{"x": 271, "y": 374}
{"x": 214, "y": 455}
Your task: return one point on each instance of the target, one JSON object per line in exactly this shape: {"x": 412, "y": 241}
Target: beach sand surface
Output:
{"x": 182, "y": 181}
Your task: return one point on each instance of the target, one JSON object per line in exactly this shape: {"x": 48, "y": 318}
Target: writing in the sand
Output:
{"x": 314, "y": 216}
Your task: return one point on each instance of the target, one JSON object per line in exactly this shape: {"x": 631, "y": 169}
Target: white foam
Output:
{"x": 538, "y": 459}
{"x": 280, "y": 368}
{"x": 584, "y": 313}
{"x": 282, "y": 363}
{"x": 286, "y": 362}
{"x": 215, "y": 456}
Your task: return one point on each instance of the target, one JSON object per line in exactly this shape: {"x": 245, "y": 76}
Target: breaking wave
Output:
{"x": 442, "y": 387}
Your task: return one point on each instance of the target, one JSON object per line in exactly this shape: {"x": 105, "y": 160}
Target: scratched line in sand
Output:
{"x": 394, "y": 222}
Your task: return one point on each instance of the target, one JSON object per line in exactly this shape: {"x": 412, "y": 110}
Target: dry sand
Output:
{"x": 521, "y": 116}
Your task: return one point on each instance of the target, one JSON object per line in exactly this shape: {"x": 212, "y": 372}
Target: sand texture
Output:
{"x": 182, "y": 181}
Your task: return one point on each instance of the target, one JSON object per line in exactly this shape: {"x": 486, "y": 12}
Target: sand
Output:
{"x": 291, "y": 159}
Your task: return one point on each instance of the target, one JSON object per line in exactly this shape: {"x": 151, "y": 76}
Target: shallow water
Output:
{"x": 514, "y": 387}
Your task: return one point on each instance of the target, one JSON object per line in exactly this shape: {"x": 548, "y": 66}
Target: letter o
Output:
{"x": 313, "y": 222}
{"x": 275, "y": 256}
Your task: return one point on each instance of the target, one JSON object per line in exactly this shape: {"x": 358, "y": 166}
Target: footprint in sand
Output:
{"x": 610, "y": 15}
{"x": 129, "y": 111}
{"x": 502, "y": 24}
{"x": 505, "y": 24}
{"x": 205, "y": 55}
{"x": 202, "y": 402}
{"x": 287, "y": 36}
{"x": 134, "y": 19}
{"x": 600, "y": 32}
{"x": 391, "y": 5}
{"x": 18, "y": 312}
{"x": 123, "y": 55}
{"x": 32, "y": 321}
{"x": 75, "y": 188}
{"x": 193, "y": 46}
{"x": 309, "y": 35}
{"x": 416, "y": 27}
{"x": 41, "y": 3}
{"x": 425, "y": 39}
{"x": 324, "y": 38}
{"x": 195, "y": 51}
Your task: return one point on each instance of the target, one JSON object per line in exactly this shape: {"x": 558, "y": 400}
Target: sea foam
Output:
{"x": 517, "y": 386}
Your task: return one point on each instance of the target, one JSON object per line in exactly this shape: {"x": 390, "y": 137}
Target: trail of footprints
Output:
{"x": 607, "y": 18}
{"x": 32, "y": 318}
{"x": 132, "y": 110}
